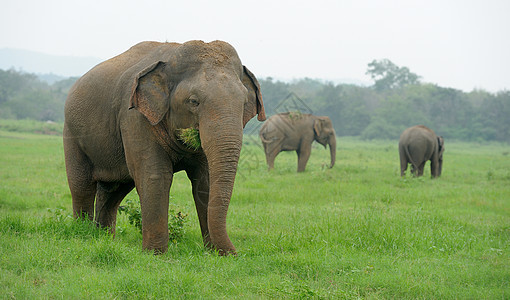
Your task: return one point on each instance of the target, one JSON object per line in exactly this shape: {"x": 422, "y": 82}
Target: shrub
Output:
{"x": 176, "y": 221}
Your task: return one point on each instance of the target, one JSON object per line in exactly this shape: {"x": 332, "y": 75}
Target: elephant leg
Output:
{"x": 303, "y": 154}
{"x": 434, "y": 168}
{"x": 153, "y": 187}
{"x": 199, "y": 178}
{"x": 403, "y": 162}
{"x": 403, "y": 168}
{"x": 108, "y": 198}
{"x": 270, "y": 159}
{"x": 79, "y": 178}
{"x": 420, "y": 169}
{"x": 271, "y": 153}
{"x": 413, "y": 169}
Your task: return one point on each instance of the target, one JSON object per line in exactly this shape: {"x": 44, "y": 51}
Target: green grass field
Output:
{"x": 355, "y": 231}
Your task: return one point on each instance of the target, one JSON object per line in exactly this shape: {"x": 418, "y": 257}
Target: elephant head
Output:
{"x": 204, "y": 87}
{"x": 325, "y": 135}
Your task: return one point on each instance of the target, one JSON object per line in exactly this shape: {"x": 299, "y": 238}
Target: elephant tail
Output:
{"x": 409, "y": 157}
{"x": 265, "y": 134}
{"x": 264, "y": 139}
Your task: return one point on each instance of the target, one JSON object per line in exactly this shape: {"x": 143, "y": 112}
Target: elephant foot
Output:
{"x": 155, "y": 242}
{"x": 221, "y": 252}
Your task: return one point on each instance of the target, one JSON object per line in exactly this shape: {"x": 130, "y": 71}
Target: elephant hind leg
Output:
{"x": 271, "y": 153}
{"x": 403, "y": 168}
{"x": 420, "y": 169}
{"x": 108, "y": 198}
{"x": 414, "y": 170}
{"x": 79, "y": 178}
{"x": 83, "y": 200}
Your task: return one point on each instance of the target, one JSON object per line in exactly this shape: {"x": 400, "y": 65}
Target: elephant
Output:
{"x": 294, "y": 131}
{"x": 123, "y": 125}
{"x": 417, "y": 145}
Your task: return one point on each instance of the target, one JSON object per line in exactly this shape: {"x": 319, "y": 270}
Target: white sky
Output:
{"x": 463, "y": 44}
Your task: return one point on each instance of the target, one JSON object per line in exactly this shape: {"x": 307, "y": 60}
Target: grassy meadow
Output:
{"x": 357, "y": 230}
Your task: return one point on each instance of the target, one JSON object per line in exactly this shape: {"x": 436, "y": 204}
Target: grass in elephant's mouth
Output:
{"x": 190, "y": 137}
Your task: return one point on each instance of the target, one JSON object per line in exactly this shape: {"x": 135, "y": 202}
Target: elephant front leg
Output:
{"x": 434, "y": 167}
{"x": 199, "y": 178}
{"x": 303, "y": 154}
{"x": 154, "y": 189}
{"x": 403, "y": 162}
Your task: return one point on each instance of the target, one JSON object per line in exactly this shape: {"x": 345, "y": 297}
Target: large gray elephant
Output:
{"x": 293, "y": 131}
{"x": 124, "y": 124}
{"x": 417, "y": 145}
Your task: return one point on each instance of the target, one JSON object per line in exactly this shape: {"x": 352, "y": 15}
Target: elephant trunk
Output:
{"x": 332, "y": 150}
{"x": 221, "y": 139}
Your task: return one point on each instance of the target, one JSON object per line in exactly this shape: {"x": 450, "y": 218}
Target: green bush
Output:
{"x": 176, "y": 221}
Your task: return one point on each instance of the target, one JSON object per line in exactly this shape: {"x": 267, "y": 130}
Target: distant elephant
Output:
{"x": 123, "y": 126}
{"x": 293, "y": 131}
{"x": 417, "y": 145}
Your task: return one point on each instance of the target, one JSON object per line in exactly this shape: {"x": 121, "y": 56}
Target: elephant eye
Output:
{"x": 193, "y": 101}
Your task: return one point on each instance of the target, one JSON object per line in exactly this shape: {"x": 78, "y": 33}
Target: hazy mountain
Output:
{"x": 49, "y": 66}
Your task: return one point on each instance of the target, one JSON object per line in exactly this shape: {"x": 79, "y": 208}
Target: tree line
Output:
{"x": 25, "y": 96}
{"x": 397, "y": 100}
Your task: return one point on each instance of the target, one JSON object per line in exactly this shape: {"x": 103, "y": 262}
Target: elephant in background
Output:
{"x": 293, "y": 131}
{"x": 417, "y": 145}
{"x": 123, "y": 125}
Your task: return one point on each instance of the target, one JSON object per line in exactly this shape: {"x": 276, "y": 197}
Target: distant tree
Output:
{"x": 393, "y": 116}
{"x": 64, "y": 85}
{"x": 388, "y": 76}
{"x": 13, "y": 82}
{"x": 272, "y": 93}
{"x": 345, "y": 106}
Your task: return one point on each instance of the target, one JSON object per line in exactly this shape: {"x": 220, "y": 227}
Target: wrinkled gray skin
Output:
{"x": 417, "y": 145}
{"x": 120, "y": 132}
{"x": 296, "y": 132}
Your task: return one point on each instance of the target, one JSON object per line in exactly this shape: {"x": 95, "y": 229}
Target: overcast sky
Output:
{"x": 462, "y": 44}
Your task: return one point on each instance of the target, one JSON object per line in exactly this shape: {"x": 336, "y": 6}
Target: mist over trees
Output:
{"x": 397, "y": 100}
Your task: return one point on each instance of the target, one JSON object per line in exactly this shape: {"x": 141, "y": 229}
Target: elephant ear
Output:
{"x": 318, "y": 124}
{"x": 150, "y": 93}
{"x": 254, "y": 106}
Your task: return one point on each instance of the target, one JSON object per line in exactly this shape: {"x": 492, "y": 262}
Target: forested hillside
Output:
{"x": 396, "y": 101}
{"x": 25, "y": 96}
